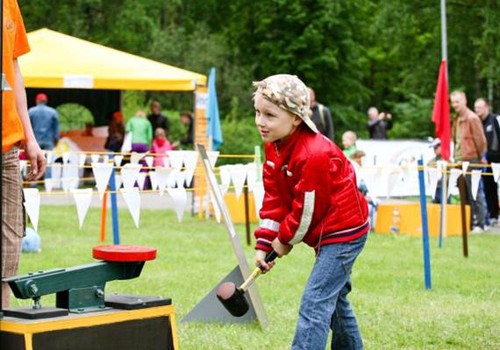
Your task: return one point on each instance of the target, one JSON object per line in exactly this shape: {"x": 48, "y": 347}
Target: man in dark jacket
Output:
{"x": 378, "y": 124}
{"x": 156, "y": 118}
{"x": 321, "y": 116}
{"x": 492, "y": 132}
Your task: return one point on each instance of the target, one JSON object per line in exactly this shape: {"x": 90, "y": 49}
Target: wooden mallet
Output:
{"x": 233, "y": 298}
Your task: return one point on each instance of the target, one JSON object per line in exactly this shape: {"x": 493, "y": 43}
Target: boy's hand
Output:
{"x": 260, "y": 260}
{"x": 280, "y": 248}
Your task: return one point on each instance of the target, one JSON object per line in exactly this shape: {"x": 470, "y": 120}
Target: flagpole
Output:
{"x": 444, "y": 177}
{"x": 444, "y": 40}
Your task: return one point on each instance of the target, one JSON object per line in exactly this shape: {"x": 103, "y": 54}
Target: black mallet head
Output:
{"x": 233, "y": 299}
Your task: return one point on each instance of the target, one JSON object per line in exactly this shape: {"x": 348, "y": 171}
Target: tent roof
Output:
{"x": 58, "y": 60}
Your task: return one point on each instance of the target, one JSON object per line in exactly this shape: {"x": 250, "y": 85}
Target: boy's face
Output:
{"x": 273, "y": 122}
{"x": 347, "y": 141}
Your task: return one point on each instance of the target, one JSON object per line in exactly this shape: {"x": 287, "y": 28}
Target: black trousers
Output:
{"x": 491, "y": 194}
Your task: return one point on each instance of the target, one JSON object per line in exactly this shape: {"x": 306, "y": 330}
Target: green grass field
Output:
{"x": 462, "y": 311}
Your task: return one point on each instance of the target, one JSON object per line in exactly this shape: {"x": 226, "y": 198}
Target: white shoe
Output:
{"x": 476, "y": 230}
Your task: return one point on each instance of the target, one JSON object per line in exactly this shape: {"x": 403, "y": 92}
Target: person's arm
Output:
{"x": 33, "y": 152}
{"x": 388, "y": 121}
{"x": 479, "y": 138}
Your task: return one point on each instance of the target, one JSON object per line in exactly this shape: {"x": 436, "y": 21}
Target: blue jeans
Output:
{"x": 324, "y": 304}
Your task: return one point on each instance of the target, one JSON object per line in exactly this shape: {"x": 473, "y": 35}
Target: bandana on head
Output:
{"x": 289, "y": 93}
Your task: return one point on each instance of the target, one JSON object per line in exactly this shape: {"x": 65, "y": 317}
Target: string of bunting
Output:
{"x": 176, "y": 180}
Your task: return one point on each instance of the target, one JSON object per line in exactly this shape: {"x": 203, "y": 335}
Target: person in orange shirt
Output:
{"x": 16, "y": 133}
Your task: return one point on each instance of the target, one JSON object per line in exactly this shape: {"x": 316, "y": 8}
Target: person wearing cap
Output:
{"x": 45, "y": 122}
{"x": 310, "y": 196}
{"x": 16, "y": 133}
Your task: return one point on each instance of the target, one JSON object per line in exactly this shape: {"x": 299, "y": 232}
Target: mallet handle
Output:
{"x": 258, "y": 270}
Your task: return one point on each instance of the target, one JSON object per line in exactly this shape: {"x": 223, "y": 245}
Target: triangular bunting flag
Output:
{"x": 118, "y": 159}
{"x": 465, "y": 165}
{"x": 180, "y": 179}
{"x": 95, "y": 158}
{"x": 179, "y": 200}
{"x": 476, "y": 177}
{"x": 32, "y": 205}
{"x": 118, "y": 181}
{"x": 225, "y": 175}
{"x": 133, "y": 202}
{"x": 102, "y": 173}
{"x": 130, "y": 173}
{"x": 162, "y": 177}
{"x": 149, "y": 161}
{"x": 172, "y": 178}
{"x": 452, "y": 183}
{"x": 433, "y": 180}
{"x": 83, "y": 198}
{"x": 176, "y": 159}
{"x": 190, "y": 160}
{"x": 238, "y": 176}
{"x": 82, "y": 158}
{"x": 141, "y": 180}
{"x": 212, "y": 157}
{"x": 153, "y": 180}
{"x": 251, "y": 175}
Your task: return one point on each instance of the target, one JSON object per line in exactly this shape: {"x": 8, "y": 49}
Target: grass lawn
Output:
{"x": 462, "y": 311}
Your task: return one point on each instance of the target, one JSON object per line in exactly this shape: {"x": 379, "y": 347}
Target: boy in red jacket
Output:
{"x": 311, "y": 196}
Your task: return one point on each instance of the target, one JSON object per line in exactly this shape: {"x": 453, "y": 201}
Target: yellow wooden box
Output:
{"x": 411, "y": 221}
{"x": 236, "y": 208}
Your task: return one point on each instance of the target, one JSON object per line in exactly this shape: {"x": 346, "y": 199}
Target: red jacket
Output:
{"x": 310, "y": 194}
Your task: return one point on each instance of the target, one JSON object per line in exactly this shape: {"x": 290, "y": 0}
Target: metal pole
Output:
{"x": 444, "y": 40}
{"x": 425, "y": 226}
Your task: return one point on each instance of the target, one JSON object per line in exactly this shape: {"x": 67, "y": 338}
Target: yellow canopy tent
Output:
{"x": 59, "y": 61}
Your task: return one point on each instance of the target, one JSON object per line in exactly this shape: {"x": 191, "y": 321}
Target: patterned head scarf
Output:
{"x": 289, "y": 93}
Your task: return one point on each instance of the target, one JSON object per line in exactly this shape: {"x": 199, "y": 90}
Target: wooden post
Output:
{"x": 200, "y": 186}
{"x": 247, "y": 213}
{"x": 462, "y": 189}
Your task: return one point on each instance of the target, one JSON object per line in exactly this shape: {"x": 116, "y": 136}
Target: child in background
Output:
{"x": 373, "y": 202}
{"x": 349, "y": 139}
{"x": 160, "y": 146}
{"x": 311, "y": 196}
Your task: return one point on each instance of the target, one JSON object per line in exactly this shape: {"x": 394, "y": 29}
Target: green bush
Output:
{"x": 240, "y": 137}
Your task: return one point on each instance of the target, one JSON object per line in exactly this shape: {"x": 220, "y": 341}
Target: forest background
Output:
{"x": 354, "y": 53}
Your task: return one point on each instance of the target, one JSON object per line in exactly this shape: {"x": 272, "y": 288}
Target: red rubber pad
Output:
{"x": 123, "y": 252}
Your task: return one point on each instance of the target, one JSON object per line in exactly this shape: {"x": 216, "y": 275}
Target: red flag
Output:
{"x": 441, "y": 112}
